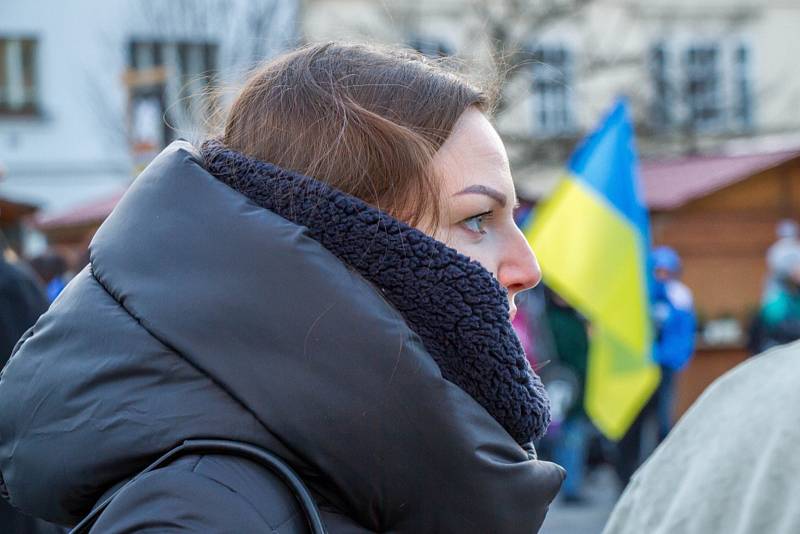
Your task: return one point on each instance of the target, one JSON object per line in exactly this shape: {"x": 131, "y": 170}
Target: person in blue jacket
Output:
{"x": 674, "y": 326}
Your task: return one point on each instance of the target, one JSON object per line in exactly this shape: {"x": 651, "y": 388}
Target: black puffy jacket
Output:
{"x": 203, "y": 315}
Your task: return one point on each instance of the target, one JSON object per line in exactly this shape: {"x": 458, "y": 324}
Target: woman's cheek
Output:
{"x": 486, "y": 254}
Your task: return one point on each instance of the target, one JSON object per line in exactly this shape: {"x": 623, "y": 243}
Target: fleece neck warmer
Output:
{"x": 457, "y": 307}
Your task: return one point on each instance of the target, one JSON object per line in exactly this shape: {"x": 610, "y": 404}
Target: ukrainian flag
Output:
{"x": 592, "y": 240}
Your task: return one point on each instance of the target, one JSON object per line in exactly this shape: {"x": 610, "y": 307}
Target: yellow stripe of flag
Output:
{"x": 593, "y": 255}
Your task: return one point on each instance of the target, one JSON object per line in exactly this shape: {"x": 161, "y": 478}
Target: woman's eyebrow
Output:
{"x": 478, "y": 189}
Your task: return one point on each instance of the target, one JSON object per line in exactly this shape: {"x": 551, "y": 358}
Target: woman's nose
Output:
{"x": 519, "y": 270}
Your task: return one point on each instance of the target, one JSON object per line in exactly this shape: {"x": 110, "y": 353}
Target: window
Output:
{"x": 701, "y": 88}
{"x": 197, "y": 62}
{"x": 661, "y": 110}
{"x": 181, "y": 72}
{"x": 186, "y": 61}
{"x": 18, "y": 77}
{"x": 703, "y": 96}
{"x": 552, "y": 77}
{"x": 743, "y": 101}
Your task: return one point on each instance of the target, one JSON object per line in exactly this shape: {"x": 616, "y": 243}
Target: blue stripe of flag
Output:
{"x": 606, "y": 161}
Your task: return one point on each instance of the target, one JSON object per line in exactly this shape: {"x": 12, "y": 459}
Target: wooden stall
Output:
{"x": 720, "y": 214}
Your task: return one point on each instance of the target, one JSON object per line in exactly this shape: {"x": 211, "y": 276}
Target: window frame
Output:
{"x": 552, "y": 79}
{"x": 28, "y": 76}
{"x": 173, "y": 56}
{"x": 706, "y": 72}
{"x": 730, "y": 98}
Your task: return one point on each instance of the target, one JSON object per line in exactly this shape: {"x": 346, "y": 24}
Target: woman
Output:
{"x": 231, "y": 296}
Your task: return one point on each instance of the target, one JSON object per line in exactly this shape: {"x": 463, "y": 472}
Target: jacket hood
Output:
{"x": 457, "y": 307}
{"x": 203, "y": 315}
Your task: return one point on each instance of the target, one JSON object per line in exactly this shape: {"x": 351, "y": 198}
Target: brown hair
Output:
{"x": 364, "y": 119}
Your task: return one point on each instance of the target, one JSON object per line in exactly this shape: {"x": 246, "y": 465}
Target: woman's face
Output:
{"x": 478, "y": 201}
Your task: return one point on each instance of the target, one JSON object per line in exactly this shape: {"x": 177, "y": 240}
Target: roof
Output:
{"x": 669, "y": 184}
{"x": 90, "y": 213}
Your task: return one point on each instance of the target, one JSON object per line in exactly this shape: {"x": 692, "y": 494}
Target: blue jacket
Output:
{"x": 674, "y": 324}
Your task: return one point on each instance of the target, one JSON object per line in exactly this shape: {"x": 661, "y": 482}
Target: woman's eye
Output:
{"x": 476, "y": 223}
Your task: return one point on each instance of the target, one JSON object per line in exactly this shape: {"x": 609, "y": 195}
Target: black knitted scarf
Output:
{"x": 455, "y": 305}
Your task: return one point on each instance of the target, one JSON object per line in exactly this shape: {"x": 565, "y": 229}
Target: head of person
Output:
{"x": 787, "y": 229}
{"x": 401, "y": 132}
{"x": 666, "y": 264}
{"x": 49, "y": 265}
{"x": 787, "y": 269}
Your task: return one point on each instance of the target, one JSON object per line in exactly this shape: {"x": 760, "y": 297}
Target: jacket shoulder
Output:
{"x": 209, "y": 494}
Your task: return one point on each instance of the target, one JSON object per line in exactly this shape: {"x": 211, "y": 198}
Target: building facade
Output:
{"x": 698, "y": 74}
{"x": 85, "y": 84}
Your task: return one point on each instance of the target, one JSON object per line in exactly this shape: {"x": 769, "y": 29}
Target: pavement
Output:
{"x": 602, "y": 492}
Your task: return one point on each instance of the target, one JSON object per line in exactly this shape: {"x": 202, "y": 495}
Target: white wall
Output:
{"x": 63, "y": 154}
{"x": 75, "y": 150}
{"x": 608, "y": 29}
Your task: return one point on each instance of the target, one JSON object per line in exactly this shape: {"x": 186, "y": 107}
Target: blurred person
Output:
{"x": 780, "y": 313}
{"x": 22, "y": 301}
{"x": 730, "y": 465}
{"x": 52, "y": 269}
{"x": 779, "y": 254}
{"x": 571, "y": 345}
{"x": 674, "y": 329}
{"x": 330, "y": 280}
